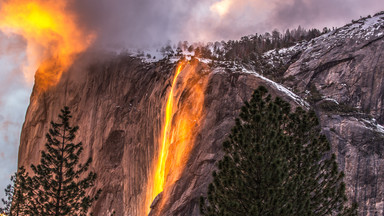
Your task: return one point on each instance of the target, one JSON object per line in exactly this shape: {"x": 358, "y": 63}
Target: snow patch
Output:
{"x": 330, "y": 99}
{"x": 370, "y": 22}
{"x": 281, "y": 88}
{"x": 204, "y": 60}
{"x": 372, "y": 124}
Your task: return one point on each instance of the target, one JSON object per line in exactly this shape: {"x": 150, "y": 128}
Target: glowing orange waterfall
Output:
{"x": 160, "y": 171}
{"x": 183, "y": 115}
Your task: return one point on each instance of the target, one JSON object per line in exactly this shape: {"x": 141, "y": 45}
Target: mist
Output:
{"x": 132, "y": 23}
{"x": 129, "y": 23}
{"x": 14, "y": 97}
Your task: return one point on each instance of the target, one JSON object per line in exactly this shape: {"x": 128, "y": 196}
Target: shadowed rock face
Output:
{"x": 119, "y": 105}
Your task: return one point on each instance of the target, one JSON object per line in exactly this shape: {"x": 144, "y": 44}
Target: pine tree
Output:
{"x": 276, "y": 162}
{"x": 15, "y": 203}
{"x": 57, "y": 187}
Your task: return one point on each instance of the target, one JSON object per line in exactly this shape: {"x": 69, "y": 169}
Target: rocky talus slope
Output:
{"x": 119, "y": 105}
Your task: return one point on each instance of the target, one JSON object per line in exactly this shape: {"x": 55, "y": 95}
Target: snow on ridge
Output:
{"x": 364, "y": 28}
{"x": 275, "y": 57}
{"x": 360, "y": 31}
{"x": 204, "y": 60}
{"x": 281, "y": 88}
{"x": 371, "y": 22}
{"x": 283, "y": 51}
{"x": 373, "y": 125}
{"x": 330, "y": 99}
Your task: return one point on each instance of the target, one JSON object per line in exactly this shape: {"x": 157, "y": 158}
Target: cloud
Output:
{"x": 121, "y": 23}
{"x": 325, "y": 13}
{"x": 231, "y": 19}
{"x": 132, "y": 22}
{"x": 11, "y": 44}
{"x": 14, "y": 95}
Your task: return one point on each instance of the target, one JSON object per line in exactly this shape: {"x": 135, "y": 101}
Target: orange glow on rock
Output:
{"x": 183, "y": 115}
{"x": 52, "y": 34}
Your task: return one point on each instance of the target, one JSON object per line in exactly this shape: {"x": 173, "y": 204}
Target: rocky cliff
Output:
{"x": 120, "y": 102}
{"x": 342, "y": 74}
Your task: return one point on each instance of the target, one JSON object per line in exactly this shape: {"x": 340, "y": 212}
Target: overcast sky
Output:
{"x": 14, "y": 97}
{"x": 136, "y": 22}
{"x": 120, "y": 23}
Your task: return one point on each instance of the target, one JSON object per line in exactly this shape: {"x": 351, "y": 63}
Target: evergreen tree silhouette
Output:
{"x": 276, "y": 162}
{"x": 57, "y": 188}
{"x": 15, "y": 202}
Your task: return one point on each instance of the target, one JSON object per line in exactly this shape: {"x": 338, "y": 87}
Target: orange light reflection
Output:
{"x": 183, "y": 115}
{"x": 52, "y": 34}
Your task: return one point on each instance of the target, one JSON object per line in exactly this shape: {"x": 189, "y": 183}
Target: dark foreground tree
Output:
{"x": 15, "y": 202}
{"x": 276, "y": 162}
{"x": 57, "y": 188}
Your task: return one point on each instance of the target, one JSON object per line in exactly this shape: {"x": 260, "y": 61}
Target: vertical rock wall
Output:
{"x": 119, "y": 106}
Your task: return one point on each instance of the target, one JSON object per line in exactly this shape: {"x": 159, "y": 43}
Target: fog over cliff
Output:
{"x": 146, "y": 22}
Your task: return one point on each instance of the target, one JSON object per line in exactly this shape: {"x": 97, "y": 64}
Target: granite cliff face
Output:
{"x": 119, "y": 105}
{"x": 342, "y": 74}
